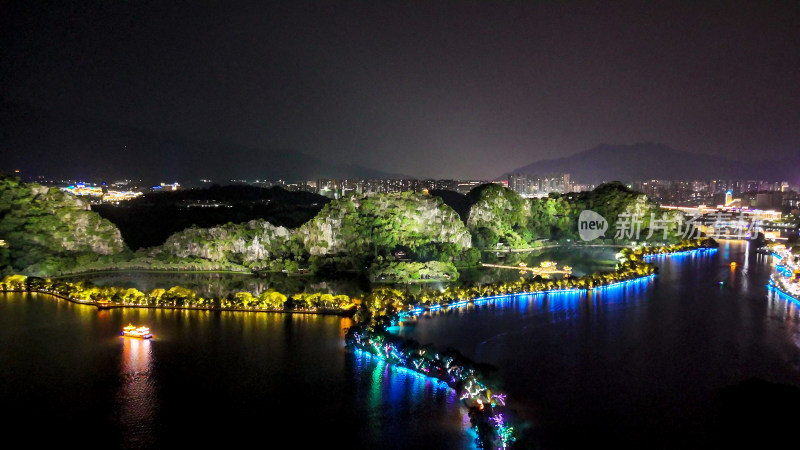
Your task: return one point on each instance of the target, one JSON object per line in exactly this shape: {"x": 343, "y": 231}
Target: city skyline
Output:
{"x": 728, "y": 192}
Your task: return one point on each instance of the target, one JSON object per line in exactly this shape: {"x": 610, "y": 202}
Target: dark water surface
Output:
{"x": 638, "y": 366}
{"x": 218, "y": 284}
{"x": 207, "y": 379}
{"x": 634, "y": 367}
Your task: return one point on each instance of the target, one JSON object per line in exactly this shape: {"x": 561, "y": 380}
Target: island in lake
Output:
{"x": 403, "y": 254}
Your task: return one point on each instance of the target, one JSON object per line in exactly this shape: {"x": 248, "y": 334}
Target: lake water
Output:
{"x": 636, "y": 366}
{"x": 218, "y": 284}
{"x": 207, "y": 378}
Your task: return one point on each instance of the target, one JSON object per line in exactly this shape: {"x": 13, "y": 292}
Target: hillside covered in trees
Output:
{"x": 386, "y": 236}
{"x": 46, "y": 230}
{"x": 497, "y": 215}
{"x": 243, "y": 244}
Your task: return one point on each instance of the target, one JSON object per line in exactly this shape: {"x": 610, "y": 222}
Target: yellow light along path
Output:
{"x": 545, "y": 268}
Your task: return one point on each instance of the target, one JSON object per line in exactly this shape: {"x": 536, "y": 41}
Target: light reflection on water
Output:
{"x": 395, "y": 394}
{"x": 627, "y": 364}
{"x": 391, "y": 383}
{"x": 787, "y": 310}
{"x": 136, "y": 399}
{"x": 563, "y": 304}
{"x": 616, "y": 364}
{"x": 207, "y": 379}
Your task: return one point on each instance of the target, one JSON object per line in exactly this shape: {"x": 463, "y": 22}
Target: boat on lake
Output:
{"x": 136, "y": 332}
{"x": 103, "y": 304}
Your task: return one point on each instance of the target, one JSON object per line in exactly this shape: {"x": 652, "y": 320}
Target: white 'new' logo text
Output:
{"x": 591, "y": 225}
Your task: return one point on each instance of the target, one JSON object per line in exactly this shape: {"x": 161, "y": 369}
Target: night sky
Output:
{"x": 429, "y": 89}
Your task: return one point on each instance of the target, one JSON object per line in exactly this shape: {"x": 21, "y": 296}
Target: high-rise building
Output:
{"x": 535, "y": 185}
{"x": 464, "y": 186}
{"x": 558, "y": 182}
{"x": 521, "y": 183}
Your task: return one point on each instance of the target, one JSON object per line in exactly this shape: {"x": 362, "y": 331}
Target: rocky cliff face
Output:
{"x": 500, "y": 210}
{"x": 90, "y": 233}
{"x": 44, "y": 224}
{"x": 363, "y": 223}
{"x": 246, "y": 243}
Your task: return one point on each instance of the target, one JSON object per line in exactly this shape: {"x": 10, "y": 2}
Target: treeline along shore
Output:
{"x": 401, "y": 237}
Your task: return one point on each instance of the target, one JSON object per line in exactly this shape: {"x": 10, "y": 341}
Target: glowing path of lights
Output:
{"x": 462, "y": 376}
{"x": 504, "y": 431}
{"x": 783, "y": 294}
{"x": 404, "y": 370}
{"x": 690, "y": 253}
{"x": 504, "y": 297}
{"x": 783, "y": 270}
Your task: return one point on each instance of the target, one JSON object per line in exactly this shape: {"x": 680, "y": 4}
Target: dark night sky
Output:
{"x": 430, "y": 89}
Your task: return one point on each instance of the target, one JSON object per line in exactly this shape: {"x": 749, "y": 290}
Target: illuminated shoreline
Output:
{"x": 499, "y": 430}
{"x": 484, "y": 300}
{"x": 681, "y": 252}
{"x": 490, "y": 418}
{"x": 158, "y": 271}
{"x": 101, "y": 306}
{"x": 782, "y": 293}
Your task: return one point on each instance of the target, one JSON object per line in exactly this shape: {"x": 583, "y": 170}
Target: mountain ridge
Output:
{"x": 95, "y": 149}
{"x": 647, "y": 160}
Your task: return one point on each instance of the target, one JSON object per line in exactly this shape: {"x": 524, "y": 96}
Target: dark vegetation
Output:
{"x": 148, "y": 221}
{"x": 389, "y": 235}
{"x": 459, "y": 202}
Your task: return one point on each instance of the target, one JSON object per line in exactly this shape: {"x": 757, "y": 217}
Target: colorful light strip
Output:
{"x": 404, "y": 370}
{"x": 681, "y": 253}
{"x": 504, "y": 297}
{"x": 782, "y": 293}
{"x": 783, "y": 270}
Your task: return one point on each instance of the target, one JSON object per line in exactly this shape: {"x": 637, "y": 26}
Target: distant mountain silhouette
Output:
{"x": 646, "y": 161}
{"x": 40, "y": 142}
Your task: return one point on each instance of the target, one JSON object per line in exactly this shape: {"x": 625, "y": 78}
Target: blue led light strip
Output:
{"x": 484, "y": 300}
